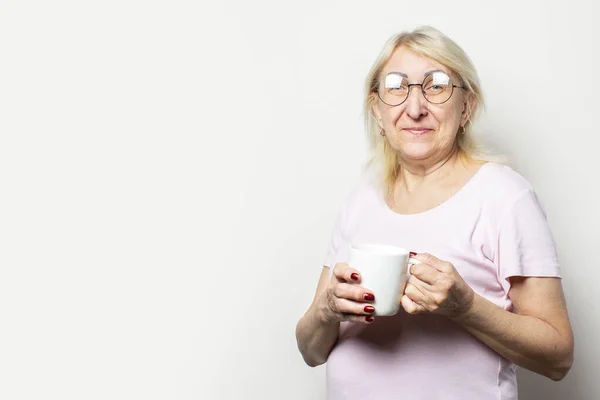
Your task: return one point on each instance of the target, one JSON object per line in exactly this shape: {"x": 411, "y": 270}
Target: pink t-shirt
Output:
{"x": 492, "y": 229}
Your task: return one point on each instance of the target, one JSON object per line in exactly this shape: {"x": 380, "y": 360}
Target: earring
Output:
{"x": 382, "y": 132}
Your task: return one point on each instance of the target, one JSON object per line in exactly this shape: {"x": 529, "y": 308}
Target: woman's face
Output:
{"x": 418, "y": 129}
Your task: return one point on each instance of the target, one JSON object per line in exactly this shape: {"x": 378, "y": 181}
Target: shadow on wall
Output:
{"x": 537, "y": 387}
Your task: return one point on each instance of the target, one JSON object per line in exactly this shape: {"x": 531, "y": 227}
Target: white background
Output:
{"x": 170, "y": 172}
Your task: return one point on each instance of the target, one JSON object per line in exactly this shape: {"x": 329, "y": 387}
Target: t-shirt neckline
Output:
{"x": 446, "y": 203}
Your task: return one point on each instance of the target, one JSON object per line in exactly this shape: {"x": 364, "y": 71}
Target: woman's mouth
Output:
{"x": 417, "y": 130}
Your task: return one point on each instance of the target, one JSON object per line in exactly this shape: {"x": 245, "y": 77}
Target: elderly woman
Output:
{"x": 487, "y": 295}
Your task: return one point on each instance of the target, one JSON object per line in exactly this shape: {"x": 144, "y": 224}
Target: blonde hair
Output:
{"x": 431, "y": 43}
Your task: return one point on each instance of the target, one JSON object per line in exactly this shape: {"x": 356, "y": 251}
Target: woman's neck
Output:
{"x": 414, "y": 175}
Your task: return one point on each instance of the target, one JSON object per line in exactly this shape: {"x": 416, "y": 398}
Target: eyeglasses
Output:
{"x": 437, "y": 88}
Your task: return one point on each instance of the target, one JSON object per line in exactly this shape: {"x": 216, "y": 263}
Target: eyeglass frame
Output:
{"x": 417, "y": 84}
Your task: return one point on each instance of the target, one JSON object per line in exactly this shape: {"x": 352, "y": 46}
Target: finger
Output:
{"x": 344, "y": 273}
{"x": 410, "y": 306}
{"x": 425, "y": 273}
{"x": 353, "y": 292}
{"x": 416, "y": 294}
{"x": 426, "y": 258}
{"x": 421, "y": 294}
{"x": 344, "y": 306}
{"x": 358, "y": 318}
{"x": 347, "y": 310}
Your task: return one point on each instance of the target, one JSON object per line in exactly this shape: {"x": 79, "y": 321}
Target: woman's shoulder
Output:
{"x": 502, "y": 180}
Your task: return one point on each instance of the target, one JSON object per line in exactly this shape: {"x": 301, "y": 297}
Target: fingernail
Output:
{"x": 370, "y": 318}
{"x": 369, "y": 296}
{"x": 369, "y": 309}
{"x": 354, "y": 276}
{"x": 412, "y": 254}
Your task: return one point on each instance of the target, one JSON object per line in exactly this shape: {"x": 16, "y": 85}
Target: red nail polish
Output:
{"x": 369, "y": 309}
{"x": 412, "y": 254}
{"x": 369, "y": 297}
{"x": 354, "y": 276}
{"x": 369, "y": 319}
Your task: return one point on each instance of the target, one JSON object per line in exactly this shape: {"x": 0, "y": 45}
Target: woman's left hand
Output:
{"x": 435, "y": 286}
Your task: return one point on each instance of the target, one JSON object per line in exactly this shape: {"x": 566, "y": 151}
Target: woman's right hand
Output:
{"x": 344, "y": 299}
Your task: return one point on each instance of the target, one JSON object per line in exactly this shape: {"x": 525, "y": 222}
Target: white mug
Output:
{"x": 383, "y": 270}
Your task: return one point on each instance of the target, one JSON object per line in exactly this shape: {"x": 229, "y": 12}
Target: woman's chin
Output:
{"x": 416, "y": 151}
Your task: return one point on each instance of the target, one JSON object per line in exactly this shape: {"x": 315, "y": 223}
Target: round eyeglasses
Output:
{"x": 437, "y": 88}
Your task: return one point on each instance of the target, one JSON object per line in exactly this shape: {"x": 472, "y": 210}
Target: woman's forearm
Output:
{"x": 527, "y": 341}
{"x": 316, "y": 337}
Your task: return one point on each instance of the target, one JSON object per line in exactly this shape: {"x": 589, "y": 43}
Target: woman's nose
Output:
{"x": 416, "y": 104}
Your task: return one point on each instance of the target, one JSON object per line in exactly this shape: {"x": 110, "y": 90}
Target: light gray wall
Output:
{"x": 170, "y": 172}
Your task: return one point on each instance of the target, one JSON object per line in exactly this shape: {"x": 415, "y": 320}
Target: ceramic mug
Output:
{"x": 383, "y": 269}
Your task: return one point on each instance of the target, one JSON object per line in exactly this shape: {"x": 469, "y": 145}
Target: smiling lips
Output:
{"x": 417, "y": 130}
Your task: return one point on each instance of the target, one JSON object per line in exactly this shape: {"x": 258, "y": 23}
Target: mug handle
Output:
{"x": 411, "y": 261}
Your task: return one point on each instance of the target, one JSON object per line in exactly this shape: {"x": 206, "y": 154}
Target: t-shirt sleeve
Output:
{"x": 526, "y": 246}
{"x": 338, "y": 240}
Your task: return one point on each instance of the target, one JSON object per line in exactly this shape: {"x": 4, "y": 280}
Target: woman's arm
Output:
{"x": 340, "y": 298}
{"x": 315, "y": 337}
{"x": 537, "y": 336}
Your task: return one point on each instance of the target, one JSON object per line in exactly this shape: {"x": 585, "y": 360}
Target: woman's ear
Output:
{"x": 467, "y": 109}
{"x": 375, "y": 109}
